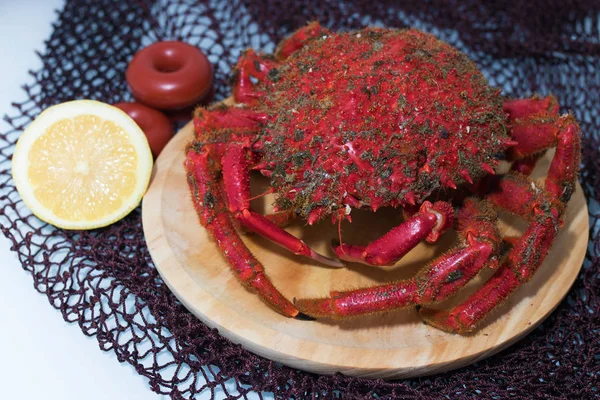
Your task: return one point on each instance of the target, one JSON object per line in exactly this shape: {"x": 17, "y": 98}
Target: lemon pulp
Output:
{"x": 82, "y": 168}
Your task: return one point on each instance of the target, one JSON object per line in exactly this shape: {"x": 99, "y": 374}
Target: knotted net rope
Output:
{"x": 105, "y": 281}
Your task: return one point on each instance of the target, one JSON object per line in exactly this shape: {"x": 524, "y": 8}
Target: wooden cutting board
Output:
{"x": 391, "y": 345}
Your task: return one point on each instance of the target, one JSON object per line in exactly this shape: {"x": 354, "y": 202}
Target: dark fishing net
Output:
{"x": 105, "y": 280}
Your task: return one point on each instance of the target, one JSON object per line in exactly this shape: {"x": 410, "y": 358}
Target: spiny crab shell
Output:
{"x": 387, "y": 116}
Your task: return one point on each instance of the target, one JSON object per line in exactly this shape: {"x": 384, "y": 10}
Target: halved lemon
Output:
{"x": 82, "y": 164}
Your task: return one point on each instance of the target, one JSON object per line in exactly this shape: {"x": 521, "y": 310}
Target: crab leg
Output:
{"x": 297, "y": 40}
{"x": 237, "y": 187}
{"x": 281, "y": 219}
{"x": 429, "y": 222}
{"x": 544, "y": 210}
{"x": 210, "y": 206}
{"x": 209, "y": 124}
{"x": 480, "y": 245}
{"x": 534, "y": 125}
{"x": 250, "y": 65}
{"x": 214, "y": 128}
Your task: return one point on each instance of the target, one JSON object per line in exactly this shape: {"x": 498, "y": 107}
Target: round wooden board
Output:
{"x": 390, "y": 345}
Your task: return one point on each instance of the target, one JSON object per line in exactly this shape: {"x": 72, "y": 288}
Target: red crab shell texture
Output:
{"x": 387, "y": 116}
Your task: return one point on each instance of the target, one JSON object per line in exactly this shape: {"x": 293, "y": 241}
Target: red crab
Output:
{"x": 373, "y": 118}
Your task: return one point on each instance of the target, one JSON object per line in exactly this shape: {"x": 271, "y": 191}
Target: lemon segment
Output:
{"x": 82, "y": 165}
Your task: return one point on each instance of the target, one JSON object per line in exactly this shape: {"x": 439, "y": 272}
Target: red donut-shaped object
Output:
{"x": 156, "y": 125}
{"x": 170, "y": 75}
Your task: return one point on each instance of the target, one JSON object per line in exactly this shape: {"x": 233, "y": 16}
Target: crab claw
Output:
{"x": 428, "y": 223}
{"x": 326, "y": 260}
{"x": 347, "y": 252}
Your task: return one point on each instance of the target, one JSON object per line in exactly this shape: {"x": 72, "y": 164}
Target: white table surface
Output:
{"x": 42, "y": 356}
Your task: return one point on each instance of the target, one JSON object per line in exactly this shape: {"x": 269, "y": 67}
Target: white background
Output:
{"x": 41, "y": 356}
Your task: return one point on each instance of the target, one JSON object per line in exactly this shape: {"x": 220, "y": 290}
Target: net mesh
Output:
{"x": 105, "y": 280}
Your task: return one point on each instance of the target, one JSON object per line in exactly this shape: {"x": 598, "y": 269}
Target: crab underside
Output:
{"x": 374, "y": 118}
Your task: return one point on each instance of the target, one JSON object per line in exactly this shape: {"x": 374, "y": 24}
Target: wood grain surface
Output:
{"x": 390, "y": 345}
